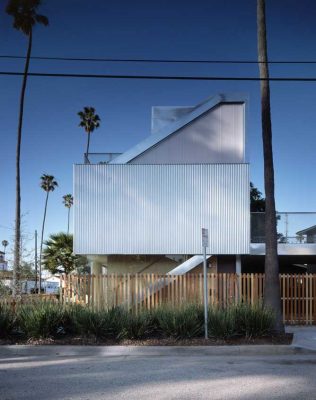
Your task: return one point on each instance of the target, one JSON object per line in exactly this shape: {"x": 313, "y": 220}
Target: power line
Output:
{"x": 160, "y": 60}
{"x": 12, "y": 229}
{"x": 162, "y": 77}
{"x": 6, "y": 227}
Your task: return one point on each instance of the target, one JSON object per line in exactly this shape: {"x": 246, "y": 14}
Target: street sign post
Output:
{"x": 205, "y": 244}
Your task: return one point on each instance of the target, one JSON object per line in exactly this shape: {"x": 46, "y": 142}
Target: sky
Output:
{"x": 52, "y": 141}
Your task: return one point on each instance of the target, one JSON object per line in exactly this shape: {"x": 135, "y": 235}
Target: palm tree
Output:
{"x": 48, "y": 184}
{"x": 4, "y": 244}
{"x": 272, "y": 283}
{"x": 25, "y": 17}
{"x": 58, "y": 254}
{"x": 68, "y": 202}
{"x": 89, "y": 121}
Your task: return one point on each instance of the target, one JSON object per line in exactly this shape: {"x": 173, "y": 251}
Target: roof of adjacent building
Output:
{"x": 173, "y": 127}
{"x": 307, "y": 231}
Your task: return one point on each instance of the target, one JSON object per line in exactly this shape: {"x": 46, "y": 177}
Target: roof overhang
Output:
{"x": 285, "y": 249}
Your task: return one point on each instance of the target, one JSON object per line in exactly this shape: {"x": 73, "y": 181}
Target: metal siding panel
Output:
{"x": 216, "y": 136}
{"x": 160, "y": 209}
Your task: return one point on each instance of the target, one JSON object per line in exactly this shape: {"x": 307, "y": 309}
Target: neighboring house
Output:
{"x": 49, "y": 285}
{"x": 307, "y": 235}
{"x": 52, "y": 284}
{"x": 143, "y": 210}
{"x": 3, "y": 262}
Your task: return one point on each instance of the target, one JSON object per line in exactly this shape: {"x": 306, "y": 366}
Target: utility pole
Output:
{"x": 35, "y": 260}
{"x": 205, "y": 244}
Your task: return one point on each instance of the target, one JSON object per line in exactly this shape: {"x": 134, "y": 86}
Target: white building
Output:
{"x": 144, "y": 209}
{"x": 3, "y": 262}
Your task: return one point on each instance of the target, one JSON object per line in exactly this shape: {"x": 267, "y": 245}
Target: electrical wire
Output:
{"x": 162, "y": 77}
{"x": 158, "y": 60}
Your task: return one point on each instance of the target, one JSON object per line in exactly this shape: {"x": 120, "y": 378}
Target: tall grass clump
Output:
{"x": 221, "y": 323}
{"x": 101, "y": 324}
{"x": 185, "y": 322}
{"x": 253, "y": 321}
{"x": 141, "y": 326}
{"x": 7, "y": 321}
{"x": 240, "y": 320}
{"x": 48, "y": 320}
{"x": 41, "y": 320}
{"x": 92, "y": 323}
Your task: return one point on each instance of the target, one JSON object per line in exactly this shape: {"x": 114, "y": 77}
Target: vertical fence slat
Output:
{"x": 138, "y": 291}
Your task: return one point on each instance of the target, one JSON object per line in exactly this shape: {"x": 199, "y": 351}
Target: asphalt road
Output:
{"x": 47, "y": 374}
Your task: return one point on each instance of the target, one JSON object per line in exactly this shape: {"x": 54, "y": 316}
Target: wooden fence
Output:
{"x": 29, "y": 299}
{"x": 139, "y": 291}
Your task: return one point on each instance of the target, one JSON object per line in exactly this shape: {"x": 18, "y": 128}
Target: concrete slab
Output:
{"x": 304, "y": 337}
{"x": 150, "y": 351}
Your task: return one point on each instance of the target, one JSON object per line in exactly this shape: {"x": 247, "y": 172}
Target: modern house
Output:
{"x": 143, "y": 210}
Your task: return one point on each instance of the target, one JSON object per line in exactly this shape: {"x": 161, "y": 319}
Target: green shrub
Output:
{"x": 182, "y": 323}
{"x": 239, "y": 320}
{"x": 88, "y": 322}
{"x": 102, "y": 324}
{"x": 221, "y": 323}
{"x": 140, "y": 326}
{"x": 44, "y": 320}
{"x": 118, "y": 320}
{"x": 7, "y": 321}
{"x": 71, "y": 319}
{"x": 253, "y": 321}
{"x": 41, "y": 320}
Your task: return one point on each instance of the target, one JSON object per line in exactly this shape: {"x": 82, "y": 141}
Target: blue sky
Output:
{"x": 226, "y": 29}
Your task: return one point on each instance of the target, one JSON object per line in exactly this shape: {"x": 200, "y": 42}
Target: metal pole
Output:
{"x": 205, "y": 293}
{"x": 286, "y": 227}
{"x": 35, "y": 261}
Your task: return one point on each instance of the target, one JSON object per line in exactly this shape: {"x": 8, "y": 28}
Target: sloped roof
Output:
{"x": 311, "y": 230}
{"x": 170, "y": 129}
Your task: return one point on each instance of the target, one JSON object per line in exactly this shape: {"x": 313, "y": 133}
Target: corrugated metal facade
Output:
{"x": 218, "y": 136}
{"x": 160, "y": 209}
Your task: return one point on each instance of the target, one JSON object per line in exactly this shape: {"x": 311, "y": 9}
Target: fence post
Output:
{"x": 298, "y": 291}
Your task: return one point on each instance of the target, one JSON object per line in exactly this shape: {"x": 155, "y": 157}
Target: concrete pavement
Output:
{"x": 304, "y": 336}
{"x": 162, "y": 373}
{"x": 148, "y": 351}
{"x": 86, "y": 373}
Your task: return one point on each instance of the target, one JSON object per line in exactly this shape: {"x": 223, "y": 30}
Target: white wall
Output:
{"x": 160, "y": 209}
{"x": 218, "y": 136}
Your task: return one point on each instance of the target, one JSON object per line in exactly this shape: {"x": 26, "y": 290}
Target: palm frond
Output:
{"x": 68, "y": 200}
{"x": 89, "y": 120}
{"x": 58, "y": 253}
{"x": 24, "y": 13}
{"x": 48, "y": 183}
{"x": 41, "y": 19}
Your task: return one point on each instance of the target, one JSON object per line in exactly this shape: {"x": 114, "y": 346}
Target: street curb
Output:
{"x": 149, "y": 351}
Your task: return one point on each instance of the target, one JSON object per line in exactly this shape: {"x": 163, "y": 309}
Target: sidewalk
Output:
{"x": 304, "y": 342}
{"x": 151, "y": 351}
{"x": 304, "y": 337}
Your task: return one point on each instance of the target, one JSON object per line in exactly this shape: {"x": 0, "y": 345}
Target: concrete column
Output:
{"x": 96, "y": 269}
{"x": 238, "y": 272}
{"x": 238, "y": 264}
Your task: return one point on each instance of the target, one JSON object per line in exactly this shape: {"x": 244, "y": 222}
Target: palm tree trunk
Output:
{"x": 68, "y": 220}
{"x": 41, "y": 248}
{"x": 17, "y": 249}
{"x": 88, "y": 145}
{"x": 272, "y": 297}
